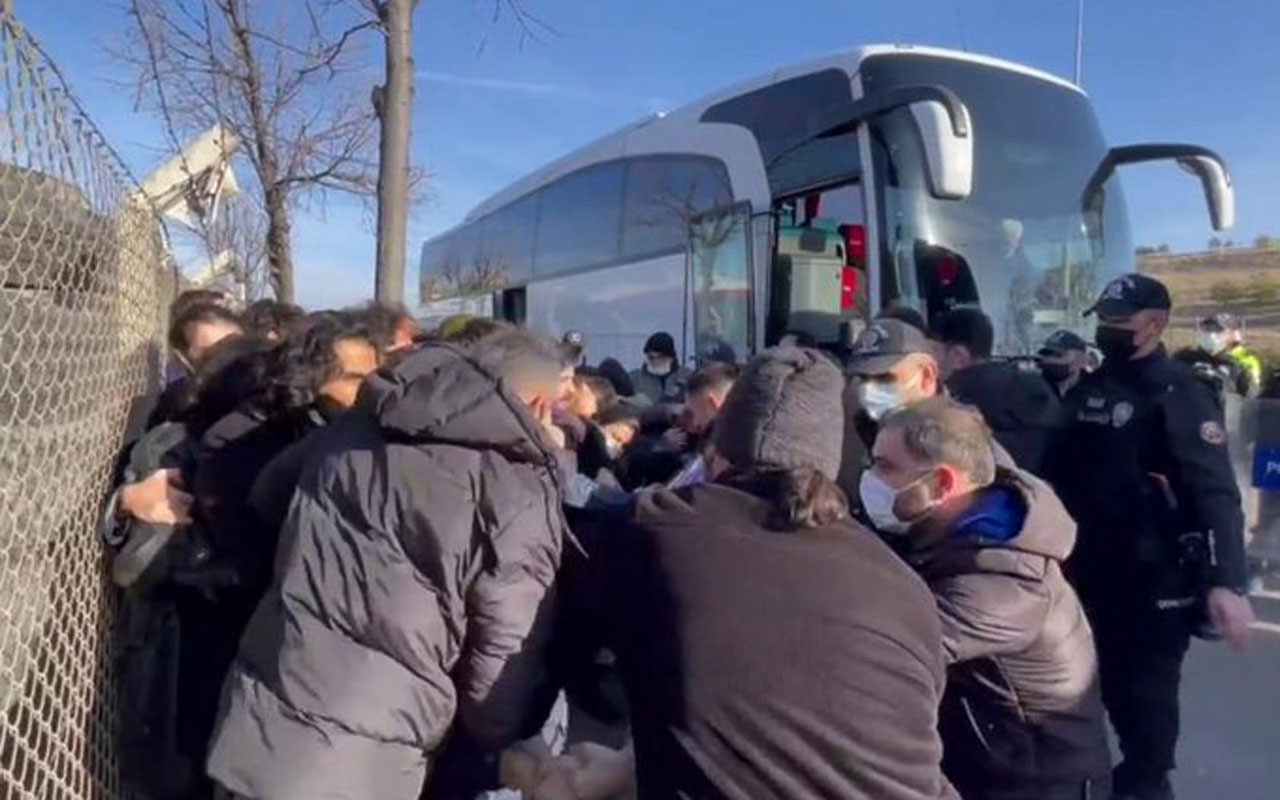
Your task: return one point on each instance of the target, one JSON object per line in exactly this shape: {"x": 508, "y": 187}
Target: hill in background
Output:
{"x": 1241, "y": 281}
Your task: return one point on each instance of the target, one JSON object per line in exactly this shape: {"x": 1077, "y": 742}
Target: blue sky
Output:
{"x": 490, "y": 108}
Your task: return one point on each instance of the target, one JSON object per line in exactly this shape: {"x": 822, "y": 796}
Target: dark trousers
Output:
{"x": 1140, "y": 654}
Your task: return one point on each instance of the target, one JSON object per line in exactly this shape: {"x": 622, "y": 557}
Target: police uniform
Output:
{"x": 1217, "y": 371}
{"x": 1059, "y": 344}
{"x": 1241, "y": 368}
{"x": 1142, "y": 464}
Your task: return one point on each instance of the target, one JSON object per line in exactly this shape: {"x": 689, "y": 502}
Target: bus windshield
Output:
{"x": 1019, "y": 246}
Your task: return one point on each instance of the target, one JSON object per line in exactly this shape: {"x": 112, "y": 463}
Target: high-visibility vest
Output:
{"x": 1248, "y": 362}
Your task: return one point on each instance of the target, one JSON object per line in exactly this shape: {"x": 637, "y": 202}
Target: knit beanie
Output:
{"x": 785, "y": 410}
{"x": 662, "y": 344}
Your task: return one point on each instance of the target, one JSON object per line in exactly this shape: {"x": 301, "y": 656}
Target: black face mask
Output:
{"x": 1116, "y": 344}
{"x": 1055, "y": 373}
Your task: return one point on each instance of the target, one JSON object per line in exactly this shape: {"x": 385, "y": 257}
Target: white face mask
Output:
{"x": 879, "y": 499}
{"x": 1213, "y": 342}
{"x": 660, "y": 367}
{"x": 880, "y": 398}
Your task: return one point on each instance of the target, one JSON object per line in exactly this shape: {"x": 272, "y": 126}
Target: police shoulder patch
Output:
{"x": 1213, "y": 433}
{"x": 1121, "y": 413}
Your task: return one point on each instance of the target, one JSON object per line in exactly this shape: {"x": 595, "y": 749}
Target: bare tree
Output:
{"x": 241, "y": 229}
{"x": 700, "y": 206}
{"x": 687, "y": 204}
{"x": 481, "y": 273}
{"x": 392, "y": 102}
{"x": 232, "y": 244}
{"x": 282, "y": 77}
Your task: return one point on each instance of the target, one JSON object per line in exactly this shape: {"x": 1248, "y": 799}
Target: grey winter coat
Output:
{"x": 1022, "y": 716}
{"x": 669, "y": 388}
{"x": 412, "y": 588}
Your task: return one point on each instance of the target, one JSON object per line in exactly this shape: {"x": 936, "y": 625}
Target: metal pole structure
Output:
{"x": 1079, "y": 41}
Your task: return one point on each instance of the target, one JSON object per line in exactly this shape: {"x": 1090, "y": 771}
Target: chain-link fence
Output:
{"x": 83, "y": 290}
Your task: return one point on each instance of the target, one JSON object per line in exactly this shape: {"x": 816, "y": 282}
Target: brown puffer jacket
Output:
{"x": 1022, "y": 716}
{"x": 412, "y": 586}
{"x": 760, "y": 664}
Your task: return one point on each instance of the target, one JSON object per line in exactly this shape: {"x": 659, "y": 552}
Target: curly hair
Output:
{"x": 384, "y": 321}
{"x": 195, "y": 297}
{"x": 235, "y": 371}
{"x": 611, "y": 369}
{"x": 194, "y": 314}
{"x": 272, "y": 318}
{"x": 308, "y": 358}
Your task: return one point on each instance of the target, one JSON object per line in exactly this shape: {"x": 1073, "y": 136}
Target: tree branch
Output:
{"x": 287, "y": 90}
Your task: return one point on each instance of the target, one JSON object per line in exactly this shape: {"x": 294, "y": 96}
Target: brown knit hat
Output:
{"x": 785, "y": 411}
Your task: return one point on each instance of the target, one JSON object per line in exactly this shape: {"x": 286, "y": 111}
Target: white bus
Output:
{"x": 810, "y": 198}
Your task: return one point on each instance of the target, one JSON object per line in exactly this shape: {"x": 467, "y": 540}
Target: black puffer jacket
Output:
{"x": 233, "y": 453}
{"x": 1019, "y": 407}
{"x": 1022, "y": 716}
{"x": 412, "y": 585}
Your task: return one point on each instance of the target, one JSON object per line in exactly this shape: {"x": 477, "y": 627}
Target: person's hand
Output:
{"x": 555, "y": 781}
{"x": 521, "y": 765}
{"x": 676, "y": 438}
{"x": 158, "y": 498}
{"x": 601, "y": 772}
{"x": 542, "y": 412}
{"x": 1232, "y": 615}
{"x": 556, "y": 436}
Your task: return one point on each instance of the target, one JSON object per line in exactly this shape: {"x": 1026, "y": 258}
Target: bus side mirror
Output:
{"x": 1208, "y": 166}
{"x": 940, "y": 117}
{"x": 1219, "y": 193}
{"x": 949, "y": 156}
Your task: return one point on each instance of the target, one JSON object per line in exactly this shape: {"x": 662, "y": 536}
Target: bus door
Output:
{"x": 817, "y": 281}
{"x": 513, "y": 305}
{"x": 719, "y": 284}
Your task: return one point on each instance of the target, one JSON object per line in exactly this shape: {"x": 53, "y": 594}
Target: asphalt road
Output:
{"x": 1230, "y": 747}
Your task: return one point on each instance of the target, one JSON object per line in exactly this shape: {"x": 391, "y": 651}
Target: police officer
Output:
{"x": 1220, "y": 337}
{"x": 892, "y": 365}
{"x": 1020, "y": 407}
{"x": 1063, "y": 358}
{"x": 1142, "y": 465}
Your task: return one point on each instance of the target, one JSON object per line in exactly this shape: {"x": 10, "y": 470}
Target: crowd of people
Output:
{"x": 362, "y": 560}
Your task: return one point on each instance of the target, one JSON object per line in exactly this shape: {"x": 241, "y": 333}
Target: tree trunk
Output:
{"x": 279, "y": 251}
{"x": 393, "y": 166}
{"x": 275, "y": 194}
